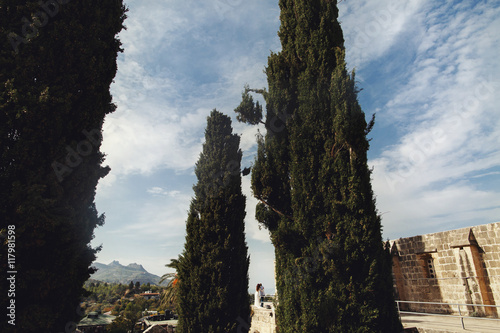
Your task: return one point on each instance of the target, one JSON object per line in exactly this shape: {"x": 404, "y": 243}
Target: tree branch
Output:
{"x": 274, "y": 209}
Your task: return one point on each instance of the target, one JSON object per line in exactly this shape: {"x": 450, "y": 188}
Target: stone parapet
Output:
{"x": 263, "y": 320}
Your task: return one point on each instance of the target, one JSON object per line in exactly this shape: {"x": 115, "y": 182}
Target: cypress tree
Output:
{"x": 57, "y": 61}
{"x": 213, "y": 271}
{"x": 313, "y": 183}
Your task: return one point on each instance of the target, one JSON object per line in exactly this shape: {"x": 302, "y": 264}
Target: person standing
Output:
{"x": 262, "y": 294}
{"x": 257, "y": 295}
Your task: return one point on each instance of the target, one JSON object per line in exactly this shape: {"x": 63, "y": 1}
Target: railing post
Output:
{"x": 399, "y": 311}
{"x": 461, "y": 318}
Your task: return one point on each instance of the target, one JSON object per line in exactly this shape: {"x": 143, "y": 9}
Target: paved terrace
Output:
{"x": 449, "y": 324}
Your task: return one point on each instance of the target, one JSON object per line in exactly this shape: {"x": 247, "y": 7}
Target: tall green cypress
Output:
{"x": 57, "y": 61}
{"x": 213, "y": 271}
{"x": 313, "y": 183}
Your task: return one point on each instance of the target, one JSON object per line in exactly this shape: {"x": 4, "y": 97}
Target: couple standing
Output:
{"x": 259, "y": 295}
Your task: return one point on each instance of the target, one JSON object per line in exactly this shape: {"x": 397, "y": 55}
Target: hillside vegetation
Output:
{"x": 114, "y": 297}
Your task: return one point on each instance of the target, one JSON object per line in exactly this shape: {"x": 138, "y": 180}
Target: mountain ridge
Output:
{"x": 115, "y": 272}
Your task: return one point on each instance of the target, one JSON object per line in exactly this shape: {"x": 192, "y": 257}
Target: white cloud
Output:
{"x": 160, "y": 191}
{"x": 446, "y": 113}
{"x": 371, "y": 28}
{"x": 408, "y": 213}
{"x": 137, "y": 142}
{"x": 161, "y": 217}
{"x": 252, "y": 230}
{"x": 180, "y": 61}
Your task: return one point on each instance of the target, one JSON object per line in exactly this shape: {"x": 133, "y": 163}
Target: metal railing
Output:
{"x": 446, "y": 315}
{"x": 269, "y": 298}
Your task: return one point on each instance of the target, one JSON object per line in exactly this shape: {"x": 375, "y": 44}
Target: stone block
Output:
{"x": 482, "y": 228}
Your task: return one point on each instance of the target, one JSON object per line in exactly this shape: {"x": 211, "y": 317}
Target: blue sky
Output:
{"x": 428, "y": 69}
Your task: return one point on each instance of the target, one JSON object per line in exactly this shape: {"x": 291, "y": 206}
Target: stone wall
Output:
{"x": 263, "y": 320}
{"x": 456, "y": 266}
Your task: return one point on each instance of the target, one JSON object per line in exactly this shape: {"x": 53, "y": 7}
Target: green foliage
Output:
{"x": 107, "y": 295}
{"x": 121, "y": 324}
{"x": 104, "y": 297}
{"x": 213, "y": 271}
{"x": 248, "y": 111}
{"x": 313, "y": 184}
{"x": 171, "y": 291}
{"x": 128, "y": 317}
{"x": 54, "y": 95}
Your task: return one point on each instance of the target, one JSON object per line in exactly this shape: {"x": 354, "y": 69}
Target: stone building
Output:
{"x": 456, "y": 266}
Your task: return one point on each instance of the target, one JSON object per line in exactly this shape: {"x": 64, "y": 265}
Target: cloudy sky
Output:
{"x": 428, "y": 69}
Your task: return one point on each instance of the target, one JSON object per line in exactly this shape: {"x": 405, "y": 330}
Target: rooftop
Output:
{"x": 96, "y": 319}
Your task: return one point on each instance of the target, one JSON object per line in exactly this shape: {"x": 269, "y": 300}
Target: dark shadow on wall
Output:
{"x": 415, "y": 278}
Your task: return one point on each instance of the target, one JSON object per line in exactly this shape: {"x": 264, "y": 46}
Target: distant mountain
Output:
{"x": 117, "y": 273}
